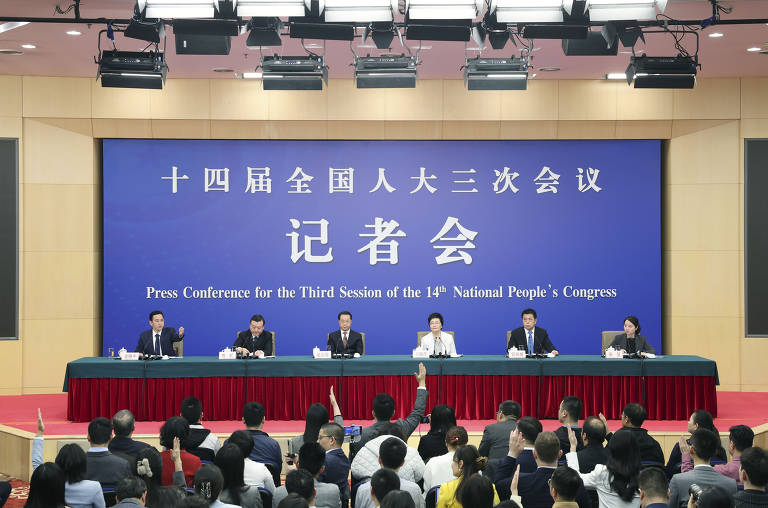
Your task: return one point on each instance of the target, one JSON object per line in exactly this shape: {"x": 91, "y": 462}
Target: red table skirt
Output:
{"x": 473, "y": 397}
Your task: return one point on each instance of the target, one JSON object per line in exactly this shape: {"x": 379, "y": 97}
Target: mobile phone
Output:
{"x": 425, "y": 419}
{"x": 352, "y": 433}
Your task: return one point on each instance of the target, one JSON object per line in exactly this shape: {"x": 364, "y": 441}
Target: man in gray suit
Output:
{"x": 312, "y": 458}
{"x": 103, "y": 467}
{"x": 131, "y": 492}
{"x": 384, "y": 409}
{"x": 703, "y": 445}
{"x": 495, "y": 441}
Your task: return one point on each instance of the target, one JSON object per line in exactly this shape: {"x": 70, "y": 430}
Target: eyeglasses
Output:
{"x": 320, "y": 436}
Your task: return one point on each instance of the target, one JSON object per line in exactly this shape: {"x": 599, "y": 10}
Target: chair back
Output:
{"x": 110, "y": 496}
{"x": 607, "y": 338}
{"x": 274, "y": 351}
{"x": 420, "y": 335}
{"x": 431, "y": 498}
{"x": 178, "y": 347}
{"x": 509, "y": 334}
{"x": 266, "y": 497}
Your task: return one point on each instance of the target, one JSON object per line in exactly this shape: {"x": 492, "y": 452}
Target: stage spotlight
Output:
{"x": 360, "y": 11}
{"x": 530, "y": 11}
{"x": 446, "y": 9}
{"x": 264, "y": 32}
{"x": 496, "y": 74}
{"x": 145, "y": 31}
{"x": 271, "y": 8}
{"x": 662, "y": 72}
{"x": 129, "y": 69}
{"x": 204, "y": 37}
{"x": 293, "y": 73}
{"x": 388, "y": 71}
{"x": 611, "y": 10}
{"x": 178, "y": 9}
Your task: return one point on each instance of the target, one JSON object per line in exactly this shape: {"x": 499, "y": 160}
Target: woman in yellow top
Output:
{"x": 467, "y": 463}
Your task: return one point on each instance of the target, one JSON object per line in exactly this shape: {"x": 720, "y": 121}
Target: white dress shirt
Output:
{"x": 429, "y": 343}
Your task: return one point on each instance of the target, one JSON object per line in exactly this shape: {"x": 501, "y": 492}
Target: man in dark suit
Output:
{"x": 345, "y": 340}
{"x": 568, "y": 414}
{"x": 337, "y": 465}
{"x": 255, "y": 340}
{"x": 530, "y": 428}
{"x": 531, "y": 338}
{"x": 103, "y": 467}
{"x": 131, "y": 492}
{"x": 159, "y": 340}
{"x": 495, "y": 441}
{"x": 593, "y": 452}
{"x": 122, "y": 444}
{"x": 632, "y": 417}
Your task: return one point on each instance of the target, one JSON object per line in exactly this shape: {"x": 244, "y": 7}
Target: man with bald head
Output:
{"x": 122, "y": 443}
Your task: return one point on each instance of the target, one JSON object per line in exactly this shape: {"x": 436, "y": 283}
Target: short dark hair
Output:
{"x": 383, "y": 481}
{"x": 457, "y": 436}
{"x": 123, "y": 423}
{"x": 478, "y": 492}
{"x": 547, "y": 446}
{"x": 634, "y": 321}
{"x": 258, "y": 318}
{"x": 529, "y": 427}
{"x": 392, "y": 429}
{"x": 175, "y": 426}
{"x": 635, "y": 413}
{"x": 529, "y": 311}
{"x": 209, "y": 482}
{"x": 312, "y": 457}
{"x": 154, "y": 464}
{"x": 705, "y": 443}
{"x": 510, "y": 408}
{"x": 392, "y": 452}
{"x": 293, "y": 501}
{"x": 342, "y": 313}
{"x": 130, "y": 487}
{"x": 742, "y": 437}
{"x": 436, "y": 315}
{"x": 594, "y": 429}
{"x": 653, "y": 481}
{"x": 572, "y": 405}
{"x": 243, "y": 440}
{"x": 754, "y": 462}
{"x": 191, "y": 410}
{"x": 335, "y": 431}
{"x": 155, "y": 313}
{"x": 715, "y": 497}
{"x": 99, "y": 430}
{"x": 253, "y": 414}
{"x": 73, "y": 461}
{"x": 566, "y": 482}
{"x": 301, "y": 482}
{"x": 383, "y": 407}
{"x": 397, "y": 499}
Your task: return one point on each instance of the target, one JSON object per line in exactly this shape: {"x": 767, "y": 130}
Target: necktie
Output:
{"x": 157, "y": 344}
{"x": 530, "y": 342}
{"x": 345, "y": 340}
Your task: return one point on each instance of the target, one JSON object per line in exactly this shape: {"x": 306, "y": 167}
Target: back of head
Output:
{"x": 130, "y": 487}
{"x": 397, "y": 499}
{"x": 623, "y": 464}
{"x": 456, "y": 436}
{"x": 99, "y": 430}
{"x": 384, "y": 481}
{"x": 165, "y": 497}
{"x": 123, "y": 423}
{"x": 741, "y": 436}
{"x": 704, "y": 420}
{"x": 293, "y": 501}
{"x": 392, "y": 429}
{"x": 383, "y": 407}
{"x": 231, "y": 462}
{"x": 253, "y": 414}
{"x": 191, "y": 410}
{"x": 529, "y": 427}
{"x": 209, "y": 482}
{"x": 477, "y": 493}
{"x": 715, "y": 497}
{"x": 510, "y": 409}
{"x": 175, "y": 426}
{"x": 442, "y": 419}
{"x": 704, "y": 443}
{"x": 317, "y": 416}
{"x": 653, "y": 482}
{"x": 301, "y": 482}
{"x": 470, "y": 462}
{"x": 566, "y": 482}
{"x": 243, "y": 440}
{"x": 149, "y": 467}
{"x": 754, "y": 462}
{"x": 547, "y": 447}
{"x": 392, "y": 453}
{"x": 594, "y": 430}
{"x": 635, "y": 413}
{"x": 508, "y": 503}
{"x": 73, "y": 462}
{"x": 194, "y": 501}
{"x": 46, "y": 487}
{"x": 312, "y": 457}
{"x": 573, "y": 405}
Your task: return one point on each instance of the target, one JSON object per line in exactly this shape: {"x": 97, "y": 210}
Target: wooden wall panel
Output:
{"x": 56, "y": 155}
{"x": 11, "y": 92}
{"x": 60, "y": 285}
{"x": 704, "y": 217}
{"x": 347, "y": 103}
{"x": 57, "y": 97}
{"x": 285, "y": 105}
{"x": 705, "y": 156}
{"x": 643, "y": 104}
{"x": 181, "y": 99}
{"x": 423, "y": 103}
{"x": 128, "y": 103}
{"x": 712, "y": 98}
{"x": 754, "y": 100}
{"x": 587, "y": 100}
{"x": 703, "y": 283}
{"x": 461, "y": 105}
{"x": 121, "y": 128}
{"x": 63, "y": 218}
{"x": 10, "y": 366}
{"x": 238, "y": 100}
{"x": 538, "y": 102}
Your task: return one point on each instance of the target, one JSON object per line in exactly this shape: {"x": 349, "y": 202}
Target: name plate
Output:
{"x": 420, "y": 353}
{"x": 227, "y": 355}
{"x": 613, "y": 353}
{"x": 130, "y": 356}
{"x": 516, "y": 353}
{"x": 321, "y": 354}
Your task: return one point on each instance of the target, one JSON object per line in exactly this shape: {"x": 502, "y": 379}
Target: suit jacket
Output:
{"x": 650, "y": 450}
{"x": 326, "y": 495}
{"x": 168, "y": 336}
{"x": 590, "y": 456}
{"x": 261, "y": 343}
{"x": 641, "y": 344}
{"x": 337, "y": 472}
{"x": 107, "y": 469}
{"x": 703, "y": 476}
{"x": 565, "y": 444}
{"x": 126, "y": 446}
{"x": 354, "y": 342}
{"x": 495, "y": 441}
{"x": 128, "y": 503}
{"x": 532, "y": 487}
{"x": 541, "y": 342}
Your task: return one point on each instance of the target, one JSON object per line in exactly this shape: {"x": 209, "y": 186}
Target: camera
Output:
{"x": 695, "y": 490}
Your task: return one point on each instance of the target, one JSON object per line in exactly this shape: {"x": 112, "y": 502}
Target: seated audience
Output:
{"x": 467, "y": 463}
{"x": 397, "y": 499}
{"x": 432, "y": 444}
{"x": 700, "y": 419}
{"x": 46, "y": 487}
{"x": 479, "y": 493}
{"x": 740, "y": 438}
{"x": 632, "y": 418}
{"x": 529, "y": 428}
{"x": 208, "y": 484}
{"x": 293, "y": 500}
{"x": 495, "y": 441}
{"x": 317, "y": 416}
{"x": 568, "y": 414}
{"x": 149, "y": 467}
{"x": 564, "y": 486}
{"x": 231, "y": 462}
{"x": 78, "y": 492}
{"x": 367, "y": 459}
{"x": 712, "y": 497}
{"x": 593, "y": 453}
{"x": 440, "y": 469}
{"x": 384, "y": 410}
{"x": 300, "y": 482}
{"x": 122, "y": 444}
{"x": 177, "y": 427}
{"x": 265, "y": 449}
{"x": 336, "y": 471}
{"x": 312, "y": 458}
{"x": 652, "y": 485}
{"x": 131, "y": 492}
{"x": 254, "y": 473}
{"x": 392, "y": 456}
{"x": 753, "y": 474}
{"x": 200, "y": 441}
{"x": 103, "y": 467}
{"x": 703, "y": 446}
{"x": 194, "y": 500}
{"x": 382, "y": 483}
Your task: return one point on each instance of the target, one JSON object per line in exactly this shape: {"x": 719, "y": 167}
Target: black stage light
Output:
{"x": 662, "y": 72}
{"x": 438, "y": 29}
{"x": 204, "y": 37}
{"x": 593, "y": 45}
{"x": 264, "y": 32}
{"x": 293, "y": 73}
{"x": 555, "y": 31}
{"x": 496, "y": 74}
{"x": 132, "y": 69}
{"x": 307, "y": 27}
{"x": 387, "y": 71}
{"x": 144, "y": 31}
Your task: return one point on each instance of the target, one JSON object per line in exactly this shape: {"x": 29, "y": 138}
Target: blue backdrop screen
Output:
{"x": 211, "y": 232}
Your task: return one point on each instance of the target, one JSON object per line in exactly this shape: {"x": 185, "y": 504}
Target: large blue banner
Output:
{"x": 211, "y": 232}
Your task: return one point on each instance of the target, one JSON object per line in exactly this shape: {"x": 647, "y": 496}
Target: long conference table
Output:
{"x": 670, "y": 387}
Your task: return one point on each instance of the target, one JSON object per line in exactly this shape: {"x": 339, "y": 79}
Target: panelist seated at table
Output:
{"x": 256, "y": 339}
{"x": 158, "y": 340}
{"x": 631, "y": 342}
{"x": 438, "y": 342}
{"x": 531, "y": 338}
{"x": 345, "y": 340}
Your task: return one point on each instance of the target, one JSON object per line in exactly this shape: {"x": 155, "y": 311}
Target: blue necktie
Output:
{"x": 157, "y": 343}
{"x": 530, "y": 342}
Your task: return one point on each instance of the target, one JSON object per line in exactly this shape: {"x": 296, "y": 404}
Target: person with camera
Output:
{"x": 703, "y": 445}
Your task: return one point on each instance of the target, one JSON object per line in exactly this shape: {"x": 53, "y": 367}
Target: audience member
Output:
{"x": 593, "y": 453}
{"x": 300, "y": 482}
{"x": 312, "y": 458}
{"x": 194, "y": 500}
{"x": 564, "y": 486}
{"x": 293, "y": 501}
{"x": 149, "y": 467}
{"x": 317, "y": 416}
{"x": 123, "y": 444}
{"x": 740, "y": 438}
{"x": 467, "y": 463}
{"x": 529, "y": 428}
{"x": 231, "y": 462}
{"x": 78, "y": 492}
{"x": 712, "y": 497}
{"x": 46, "y": 487}
{"x": 632, "y": 417}
{"x": 208, "y": 484}
{"x": 569, "y": 414}
{"x": 479, "y": 493}
{"x": 439, "y": 469}
{"x": 254, "y": 473}
{"x": 432, "y": 444}
{"x": 700, "y": 419}
{"x": 384, "y": 410}
{"x": 397, "y": 499}
{"x": 103, "y": 467}
{"x": 265, "y": 449}
{"x": 703, "y": 446}
{"x": 392, "y": 455}
{"x": 753, "y": 473}
{"x": 495, "y": 441}
{"x": 367, "y": 459}
{"x": 382, "y": 483}
{"x": 131, "y": 491}
{"x": 200, "y": 441}
{"x": 652, "y": 485}
{"x": 177, "y": 427}
{"x": 336, "y": 471}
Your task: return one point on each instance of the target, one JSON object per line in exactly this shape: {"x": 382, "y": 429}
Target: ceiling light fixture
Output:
{"x": 613, "y": 10}
{"x": 74, "y": 32}
{"x": 496, "y": 74}
{"x": 340, "y": 11}
{"x": 178, "y": 9}
{"x": 271, "y": 8}
{"x": 662, "y": 72}
{"x": 28, "y": 46}
{"x": 443, "y": 9}
{"x": 11, "y": 25}
{"x": 715, "y": 35}
{"x": 753, "y": 49}
{"x": 530, "y": 11}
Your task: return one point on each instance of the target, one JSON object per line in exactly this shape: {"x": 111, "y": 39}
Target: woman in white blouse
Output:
{"x": 437, "y": 342}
